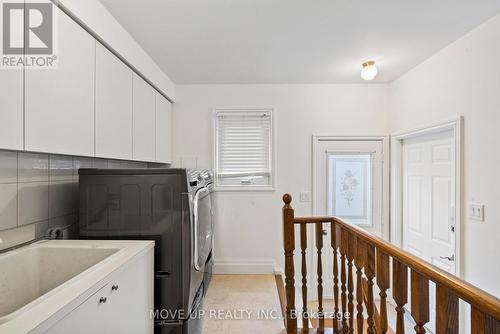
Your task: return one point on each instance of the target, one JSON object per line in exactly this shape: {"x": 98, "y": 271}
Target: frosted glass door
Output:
{"x": 349, "y": 182}
{"x": 350, "y": 187}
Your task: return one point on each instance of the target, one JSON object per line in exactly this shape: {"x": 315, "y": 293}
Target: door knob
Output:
{"x": 449, "y": 258}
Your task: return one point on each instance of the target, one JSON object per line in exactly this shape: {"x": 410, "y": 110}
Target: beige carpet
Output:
{"x": 242, "y": 304}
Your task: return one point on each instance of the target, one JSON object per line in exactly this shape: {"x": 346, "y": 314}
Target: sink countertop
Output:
{"x": 55, "y": 304}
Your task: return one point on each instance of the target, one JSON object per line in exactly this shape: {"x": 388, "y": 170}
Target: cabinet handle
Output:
{"x": 114, "y": 287}
{"x": 102, "y": 300}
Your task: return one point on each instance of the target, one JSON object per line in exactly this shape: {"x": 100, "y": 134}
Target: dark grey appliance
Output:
{"x": 173, "y": 207}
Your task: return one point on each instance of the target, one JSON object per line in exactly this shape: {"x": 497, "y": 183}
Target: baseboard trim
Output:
{"x": 243, "y": 267}
{"x": 279, "y": 271}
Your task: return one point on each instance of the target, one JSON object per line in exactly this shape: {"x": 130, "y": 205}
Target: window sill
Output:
{"x": 244, "y": 189}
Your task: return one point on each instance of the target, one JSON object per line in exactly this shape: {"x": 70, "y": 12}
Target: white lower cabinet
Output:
{"x": 122, "y": 306}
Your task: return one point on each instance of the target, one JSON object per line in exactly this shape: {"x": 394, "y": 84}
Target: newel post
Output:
{"x": 289, "y": 247}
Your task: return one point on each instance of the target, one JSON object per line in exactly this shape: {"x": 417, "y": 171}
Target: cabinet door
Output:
{"x": 113, "y": 110}
{"x": 60, "y": 101}
{"x": 163, "y": 130}
{"x": 131, "y": 294}
{"x": 90, "y": 317}
{"x": 11, "y": 109}
{"x": 126, "y": 308}
{"x": 11, "y": 103}
{"x": 144, "y": 121}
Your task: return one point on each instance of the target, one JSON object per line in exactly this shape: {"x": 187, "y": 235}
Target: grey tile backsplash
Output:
{"x": 41, "y": 190}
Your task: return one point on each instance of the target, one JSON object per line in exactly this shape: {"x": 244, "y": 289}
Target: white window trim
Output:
{"x": 250, "y": 187}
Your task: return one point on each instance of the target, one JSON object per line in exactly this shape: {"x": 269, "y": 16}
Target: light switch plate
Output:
{"x": 305, "y": 196}
{"x": 476, "y": 212}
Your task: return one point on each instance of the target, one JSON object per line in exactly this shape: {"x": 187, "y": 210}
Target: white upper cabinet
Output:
{"x": 11, "y": 103}
{"x": 144, "y": 120}
{"x": 59, "y": 114}
{"x": 11, "y": 109}
{"x": 113, "y": 106}
{"x": 89, "y": 104}
{"x": 163, "y": 129}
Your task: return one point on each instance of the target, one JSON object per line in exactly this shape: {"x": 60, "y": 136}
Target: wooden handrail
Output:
{"x": 464, "y": 290}
{"x": 370, "y": 249}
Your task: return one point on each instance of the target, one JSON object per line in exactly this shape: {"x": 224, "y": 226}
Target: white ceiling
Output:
{"x": 294, "y": 41}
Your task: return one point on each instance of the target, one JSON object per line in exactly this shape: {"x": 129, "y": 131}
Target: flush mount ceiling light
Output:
{"x": 369, "y": 70}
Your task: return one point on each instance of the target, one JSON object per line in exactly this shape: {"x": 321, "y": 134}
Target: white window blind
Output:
{"x": 244, "y": 148}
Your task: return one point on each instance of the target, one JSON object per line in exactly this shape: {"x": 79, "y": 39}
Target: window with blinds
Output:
{"x": 243, "y": 148}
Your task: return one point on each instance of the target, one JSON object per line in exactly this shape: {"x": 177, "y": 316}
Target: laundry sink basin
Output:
{"x": 29, "y": 273}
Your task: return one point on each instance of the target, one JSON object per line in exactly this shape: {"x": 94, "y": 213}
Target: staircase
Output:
{"x": 362, "y": 261}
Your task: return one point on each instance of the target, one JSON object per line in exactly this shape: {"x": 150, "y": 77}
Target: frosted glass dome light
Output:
{"x": 369, "y": 70}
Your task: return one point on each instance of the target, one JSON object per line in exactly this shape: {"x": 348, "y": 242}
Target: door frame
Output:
{"x": 385, "y": 173}
{"x": 396, "y": 232}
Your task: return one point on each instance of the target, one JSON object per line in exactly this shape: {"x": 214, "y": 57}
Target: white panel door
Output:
{"x": 113, "y": 110}
{"x": 144, "y": 120}
{"x": 429, "y": 197}
{"x": 11, "y": 109}
{"x": 349, "y": 185}
{"x": 163, "y": 130}
{"x": 428, "y": 202}
{"x": 60, "y": 101}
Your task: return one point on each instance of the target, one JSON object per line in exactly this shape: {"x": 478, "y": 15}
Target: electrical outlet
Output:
{"x": 305, "y": 196}
{"x": 476, "y": 212}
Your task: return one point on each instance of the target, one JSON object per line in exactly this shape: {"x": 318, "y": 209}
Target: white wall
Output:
{"x": 97, "y": 18}
{"x": 249, "y": 230}
{"x": 464, "y": 79}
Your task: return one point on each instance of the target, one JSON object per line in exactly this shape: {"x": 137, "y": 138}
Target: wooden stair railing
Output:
{"x": 362, "y": 259}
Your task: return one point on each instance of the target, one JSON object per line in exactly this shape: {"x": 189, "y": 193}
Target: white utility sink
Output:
{"x": 30, "y": 273}
{"x": 51, "y": 284}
